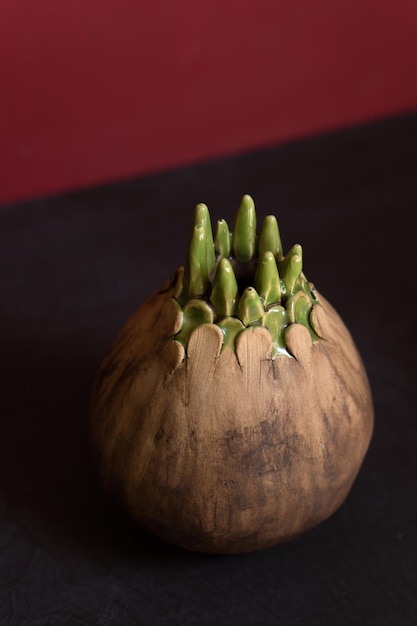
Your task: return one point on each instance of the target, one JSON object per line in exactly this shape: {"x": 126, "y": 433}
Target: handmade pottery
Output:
{"x": 233, "y": 410}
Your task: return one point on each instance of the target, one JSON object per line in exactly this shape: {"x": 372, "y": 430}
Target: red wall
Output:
{"x": 93, "y": 91}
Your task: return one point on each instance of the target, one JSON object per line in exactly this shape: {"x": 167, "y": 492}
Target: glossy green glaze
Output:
{"x": 250, "y": 308}
{"x": 244, "y": 231}
{"x": 231, "y": 327}
{"x": 269, "y": 238}
{"x": 267, "y": 281}
{"x": 291, "y": 267}
{"x": 276, "y": 321}
{"x": 196, "y": 312}
{"x": 222, "y": 240}
{"x": 241, "y": 280}
{"x": 225, "y": 291}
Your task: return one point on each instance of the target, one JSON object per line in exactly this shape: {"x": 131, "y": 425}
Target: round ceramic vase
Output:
{"x": 233, "y": 410}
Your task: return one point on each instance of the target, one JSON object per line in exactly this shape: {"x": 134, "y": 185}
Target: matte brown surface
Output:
{"x": 230, "y": 451}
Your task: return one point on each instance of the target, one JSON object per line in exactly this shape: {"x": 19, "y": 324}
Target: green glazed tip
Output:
{"x": 267, "y": 281}
{"x": 291, "y": 268}
{"x": 202, "y": 218}
{"x": 250, "y": 308}
{"x": 222, "y": 239}
{"x": 244, "y": 231}
{"x": 196, "y": 269}
{"x": 224, "y": 289}
{"x": 269, "y": 238}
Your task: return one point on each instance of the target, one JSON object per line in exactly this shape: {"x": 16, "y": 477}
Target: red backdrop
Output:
{"x": 94, "y": 91}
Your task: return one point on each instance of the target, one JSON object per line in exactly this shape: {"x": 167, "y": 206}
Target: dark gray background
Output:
{"x": 74, "y": 267}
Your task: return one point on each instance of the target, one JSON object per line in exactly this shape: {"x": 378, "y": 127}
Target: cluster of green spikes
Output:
{"x": 241, "y": 279}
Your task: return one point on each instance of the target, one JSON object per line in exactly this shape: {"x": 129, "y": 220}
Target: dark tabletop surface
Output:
{"x": 74, "y": 267}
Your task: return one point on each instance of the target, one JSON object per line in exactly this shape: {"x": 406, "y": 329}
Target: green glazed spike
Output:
{"x": 298, "y": 308}
{"x": 225, "y": 290}
{"x": 179, "y": 285}
{"x": 196, "y": 270}
{"x": 269, "y": 238}
{"x": 291, "y": 267}
{"x": 231, "y": 327}
{"x": 222, "y": 239}
{"x": 276, "y": 320}
{"x": 202, "y": 218}
{"x": 196, "y": 312}
{"x": 244, "y": 231}
{"x": 290, "y": 305}
{"x": 302, "y": 310}
{"x": 267, "y": 281}
{"x": 250, "y": 308}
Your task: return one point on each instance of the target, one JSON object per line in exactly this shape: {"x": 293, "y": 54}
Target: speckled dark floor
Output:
{"x": 74, "y": 267}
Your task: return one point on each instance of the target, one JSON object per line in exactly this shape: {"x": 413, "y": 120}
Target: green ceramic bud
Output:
{"x": 244, "y": 231}
{"x": 225, "y": 290}
{"x": 269, "y": 239}
{"x": 291, "y": 267}
{"x": 267, "y": 281}
{"x": 196, "y": 269}
{"x": 250, "y": 307}
{"x": 202, "y": 218}
{"x": 222, "y": 239}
